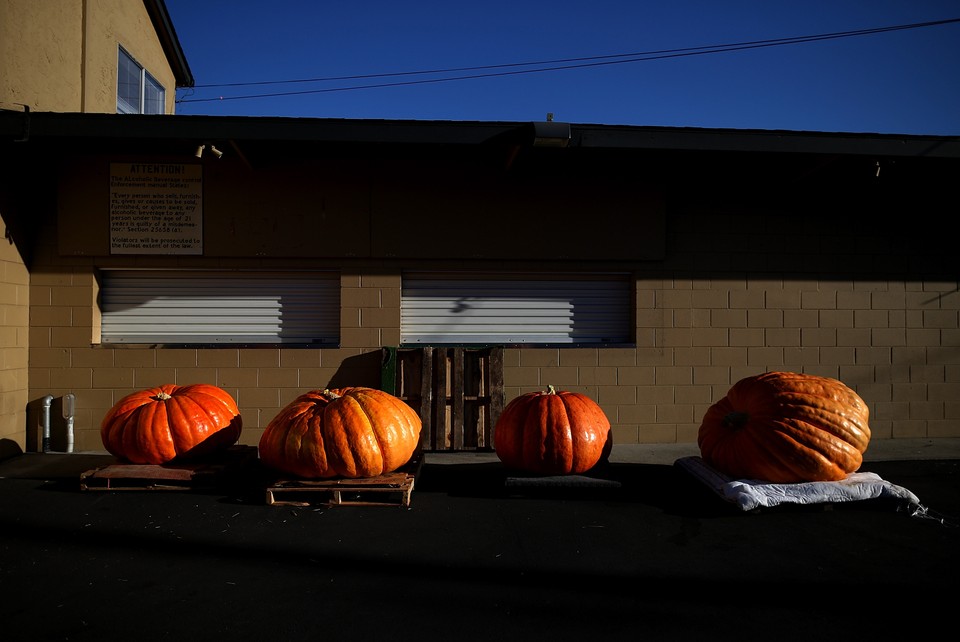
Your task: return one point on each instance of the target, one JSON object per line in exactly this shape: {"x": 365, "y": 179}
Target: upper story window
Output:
{"x": 137, "y": 91}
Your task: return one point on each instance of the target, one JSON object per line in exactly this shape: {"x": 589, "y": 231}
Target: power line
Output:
{"x": 542, "y": 66}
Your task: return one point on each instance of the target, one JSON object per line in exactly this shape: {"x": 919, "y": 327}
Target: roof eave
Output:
{"x": 77, "y": 126}
{"x": 157, "y": 9}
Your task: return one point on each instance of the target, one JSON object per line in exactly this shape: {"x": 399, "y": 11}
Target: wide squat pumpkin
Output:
{"x": 552, "y": 433}
{"x": 342, "y": 432}
{"x": 158, "y": 425}
{"x": 786, "y": 427}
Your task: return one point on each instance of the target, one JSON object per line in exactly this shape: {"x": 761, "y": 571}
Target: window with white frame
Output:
{"x": 137, "y": 91}
{"x": 219, "y": 307}
{"x": 516, "y": 308}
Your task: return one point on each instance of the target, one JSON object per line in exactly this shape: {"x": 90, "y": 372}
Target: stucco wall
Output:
{"x": 61, "y": 55}
{"x": 41, "y": 55}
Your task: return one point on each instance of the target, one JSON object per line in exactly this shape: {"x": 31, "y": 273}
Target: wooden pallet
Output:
{"x": 210, "y": 472}
{"x": 389, "y": 489}
{"x": 392, "y": 489}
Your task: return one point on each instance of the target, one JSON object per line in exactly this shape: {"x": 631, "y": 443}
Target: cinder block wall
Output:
{"x": 895, "y": 343}
{"x": 736, "y": 297}
{"x": 14, "y": 333}
{"x": 262, "y": 380}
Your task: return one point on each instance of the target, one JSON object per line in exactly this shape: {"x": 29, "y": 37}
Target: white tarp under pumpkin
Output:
{"x": 749, "y": 494}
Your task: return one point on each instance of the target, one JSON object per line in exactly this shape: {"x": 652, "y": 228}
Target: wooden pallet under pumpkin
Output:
{"x": 389, "y": 489}
{"x": 209, "y": 472}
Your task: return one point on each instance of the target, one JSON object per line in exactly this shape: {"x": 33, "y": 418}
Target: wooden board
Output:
{"x": 209, "y": 472}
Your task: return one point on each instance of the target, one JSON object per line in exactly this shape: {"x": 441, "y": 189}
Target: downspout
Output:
{"x": 47, "y": 403}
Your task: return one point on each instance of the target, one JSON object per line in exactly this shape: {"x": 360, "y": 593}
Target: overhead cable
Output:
{"x": 543, "y": 66}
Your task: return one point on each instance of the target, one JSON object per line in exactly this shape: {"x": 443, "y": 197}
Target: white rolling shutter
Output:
{"x": 199, "y": 307}
{"x": 516, "y": 309}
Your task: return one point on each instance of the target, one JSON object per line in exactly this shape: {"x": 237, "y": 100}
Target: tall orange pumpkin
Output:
{"x": 552, "y": 433}
{"x": 343, "y": 432}
{"x": 786, "y": 427}
{"x": 158, "y": 425}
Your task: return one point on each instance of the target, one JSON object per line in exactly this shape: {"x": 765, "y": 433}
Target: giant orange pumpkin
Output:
{"x": 342, "y": 432}
{"x": 158, "y": 425}
{"x": 786, "y": 427}
{"x": 552, "y": 433}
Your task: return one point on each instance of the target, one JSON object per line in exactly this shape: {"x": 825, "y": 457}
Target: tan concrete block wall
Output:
{"x": 14, "y": 347}
{"x": 896, "y": 342}
{"x": 262, "y": 380}
{"x": 660, "y": 394}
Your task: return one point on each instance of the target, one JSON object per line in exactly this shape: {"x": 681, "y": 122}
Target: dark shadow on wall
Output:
{"x": 360, "y": 370}
{"x": 9, "y": 448}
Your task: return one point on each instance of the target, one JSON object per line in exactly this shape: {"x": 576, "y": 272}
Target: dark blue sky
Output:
{"x": 904, "y": 81}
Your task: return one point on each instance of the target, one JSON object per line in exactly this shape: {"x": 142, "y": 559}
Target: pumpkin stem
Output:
{"x": 551, "y": 390}
{"x": 162, "y": 396}
{"x": 329, "y": 394}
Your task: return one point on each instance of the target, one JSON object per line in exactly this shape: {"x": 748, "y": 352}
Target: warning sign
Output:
{"x": 156, "y": 208}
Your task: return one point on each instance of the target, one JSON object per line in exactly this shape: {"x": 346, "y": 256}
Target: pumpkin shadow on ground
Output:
{"x": 667, "y": 488}
{"x": 661, "y": 486}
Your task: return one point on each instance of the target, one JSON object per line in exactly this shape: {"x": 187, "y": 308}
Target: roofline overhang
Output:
{"x": 75, "y": 127}
{"x": 157, "y": 9}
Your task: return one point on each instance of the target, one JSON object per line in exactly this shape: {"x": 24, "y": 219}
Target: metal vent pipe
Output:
{"x": 45, "y": 418}
{"x": 69, "y": 401}
{"x": 69, "y": 405}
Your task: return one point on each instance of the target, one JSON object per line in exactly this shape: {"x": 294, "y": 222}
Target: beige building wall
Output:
{"x": 61, "y": 55}
{"x": 709, "y": 315}
{"x": 14, "y": 332}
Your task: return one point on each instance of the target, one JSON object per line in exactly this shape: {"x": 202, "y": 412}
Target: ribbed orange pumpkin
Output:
{"x": 786, "y": 427}
{"x": 158, "y": 425}
{"x": 552, "y": 433}
{"x": 343, "y": 432}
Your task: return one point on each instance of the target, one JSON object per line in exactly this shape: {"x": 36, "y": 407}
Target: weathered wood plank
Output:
{"x": 457, "y": 427}
{"x": 496, "y": 402}
{"x": 427, "y": 436}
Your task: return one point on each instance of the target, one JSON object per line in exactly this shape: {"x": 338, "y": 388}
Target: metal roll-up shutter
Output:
{"x": 200, "y": 307}
{"x": 451, "y": 308}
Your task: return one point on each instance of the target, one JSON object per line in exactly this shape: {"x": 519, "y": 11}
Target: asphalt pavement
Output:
{"x": 636, "y": 549}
